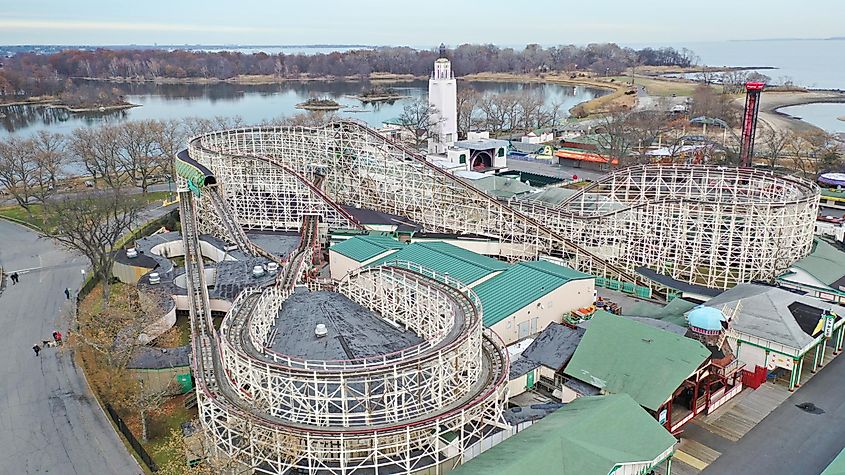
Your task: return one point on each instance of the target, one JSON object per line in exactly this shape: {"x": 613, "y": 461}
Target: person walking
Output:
{"x": 14, "y": 278}
{"x": 67, "y": 293}
{"x": 57, "y": 337}
{"x": 36, "y": 349}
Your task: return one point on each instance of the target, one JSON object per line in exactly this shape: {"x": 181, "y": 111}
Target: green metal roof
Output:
{"x": 520, "y": 285}
{"x": 825, "y": 263}
{"x": 362, "y": 248}
{"x": 620, "y": 355}
{"x": 673, "y": 312}
{"x": 589, "y": 436}
{"x": 837, "y": 466}
{"x": 465, "y": 266}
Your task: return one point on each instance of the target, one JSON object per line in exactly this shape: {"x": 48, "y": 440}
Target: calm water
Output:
{"x": 255, "y": 103}
{"x": 825, "y": 116}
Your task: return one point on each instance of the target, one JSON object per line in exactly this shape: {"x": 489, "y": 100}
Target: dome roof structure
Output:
{"x": 704, "y": 318}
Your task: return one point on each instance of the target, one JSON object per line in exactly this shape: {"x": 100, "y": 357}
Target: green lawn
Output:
{"x": 662, "y": 87}
{"x": 35, "y": 216}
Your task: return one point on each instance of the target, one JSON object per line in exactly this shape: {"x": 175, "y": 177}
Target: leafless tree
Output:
{"x": 50, "y": 153}
{"x": 468, "y": 100}
{"x": 18, "y": 170}
{"x": 99, "y": 151}
{"x": 617, "y": 138}
{"x": 140, "y": 152}
{"x": 418, "y": 118}
{"x": 775, "y": 143}
{"x": 92, "y": 225}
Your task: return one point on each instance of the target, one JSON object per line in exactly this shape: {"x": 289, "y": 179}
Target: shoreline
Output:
{"x": 56, "y": 104}
{"x": 597, "y": 105}
{"x": 377, "y": 98}
{"x": 772, "y": 102}
{"x": 261, "y": 79}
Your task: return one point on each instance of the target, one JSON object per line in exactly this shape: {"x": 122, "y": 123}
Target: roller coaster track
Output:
{"x": 555, "y": 244}
{"x": 231, "y": 404}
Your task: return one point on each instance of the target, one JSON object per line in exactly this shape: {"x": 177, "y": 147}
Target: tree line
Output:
{"x": 114, "y": 155}
{"x": 30, "y": 74}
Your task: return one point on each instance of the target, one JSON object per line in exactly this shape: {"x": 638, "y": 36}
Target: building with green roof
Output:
{"x": 598, "y": 435}
{"x": 837, "y": 466}
{"x": 620, "y": 355}
{"x": 444, "y": 258}
{"x": 359, "y": 251}
{"x": 820, "y": 274}
{"x": 525, "y": 298}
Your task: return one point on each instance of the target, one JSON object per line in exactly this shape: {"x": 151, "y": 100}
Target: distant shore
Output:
{"x": 54, "y": 103}
{"x": 263, "y": 79}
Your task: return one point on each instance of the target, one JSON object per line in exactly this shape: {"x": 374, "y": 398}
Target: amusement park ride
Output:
{"x": 749, "y": 122}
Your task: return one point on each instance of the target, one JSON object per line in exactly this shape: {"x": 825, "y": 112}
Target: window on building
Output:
{"x": 462, "y": 158}
{"x": 523, "y": 330}
{"x": 534, "y": 322}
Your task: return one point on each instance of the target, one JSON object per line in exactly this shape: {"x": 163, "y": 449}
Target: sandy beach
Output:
{"x": 772, "y": 101}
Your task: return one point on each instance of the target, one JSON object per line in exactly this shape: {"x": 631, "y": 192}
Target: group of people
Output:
{"x": 57, "y": 341}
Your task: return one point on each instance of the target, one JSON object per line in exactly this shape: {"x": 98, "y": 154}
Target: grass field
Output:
{"x": 35, "y": 216}
{"x": 662, "y": 87}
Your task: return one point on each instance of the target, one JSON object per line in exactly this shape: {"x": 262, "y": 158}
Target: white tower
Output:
{"x": 443, "y": 96}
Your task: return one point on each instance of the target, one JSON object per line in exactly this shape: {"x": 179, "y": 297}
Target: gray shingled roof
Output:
{"x": 765, "y": 313}
{"x": 554, "y": 346}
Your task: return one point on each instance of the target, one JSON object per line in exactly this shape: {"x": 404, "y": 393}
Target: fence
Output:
{"x": 136, "y": 446}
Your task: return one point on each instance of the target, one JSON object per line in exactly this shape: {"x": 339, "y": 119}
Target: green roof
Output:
{"x": 589, "y": 436}
{"x": 837, "y": 466}
{"x": 619, "y": 355}
{"x": 825, "y": 263}
{"x": 444, "y": 258}
{"x": 362, "y": 248}
{"x": 520, "y": 285}
{"x": 673, "y": 312}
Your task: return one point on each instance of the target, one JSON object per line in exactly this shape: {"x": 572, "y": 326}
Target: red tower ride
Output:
{"x": 749, "y": 121}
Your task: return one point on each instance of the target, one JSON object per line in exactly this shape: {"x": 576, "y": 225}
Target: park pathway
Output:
{"x": 49, "y": 420}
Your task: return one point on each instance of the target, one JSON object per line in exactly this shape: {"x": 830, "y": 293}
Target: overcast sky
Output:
{"x": 415, "y": 23}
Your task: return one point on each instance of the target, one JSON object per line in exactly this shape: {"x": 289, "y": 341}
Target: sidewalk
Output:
{"x": 707, "y": 437}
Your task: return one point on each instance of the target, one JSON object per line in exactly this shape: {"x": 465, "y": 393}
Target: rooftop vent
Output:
{"x": 131, "y": 253}
{"x": 155, "y": 278}
{"x": 321, "y": 330}
{"x": 257, "y": 271}
{"x": 272, "y": 267}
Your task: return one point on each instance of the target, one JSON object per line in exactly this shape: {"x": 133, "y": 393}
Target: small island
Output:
{"x": 379, "y": 94}
{"x": 842, "y": 118}
{"x": 315, "y": 104}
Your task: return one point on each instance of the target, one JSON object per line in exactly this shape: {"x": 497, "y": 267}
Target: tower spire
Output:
{"x": 442, "y": 50}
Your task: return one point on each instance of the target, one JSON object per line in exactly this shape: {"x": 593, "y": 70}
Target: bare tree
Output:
{"x": 418, "y": 118}
{"x": 468, "y": 100}
{"x": 775, "y": 142}
{"x": 92, "y": 225}
{"x": 50, "y": 154}
{"x": 618, "y": 137}
{"x": 140, "y": 152}
{"x": 99, "y": 151}
{"x": 18, "y": 170}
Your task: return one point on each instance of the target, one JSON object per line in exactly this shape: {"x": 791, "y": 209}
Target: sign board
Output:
{"x": 661, "y": 418}
{"x": 829, "y": 320}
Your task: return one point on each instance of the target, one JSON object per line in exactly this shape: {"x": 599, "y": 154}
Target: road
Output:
{"x": 49, "y": 420}
{"x": 790, "y": 441}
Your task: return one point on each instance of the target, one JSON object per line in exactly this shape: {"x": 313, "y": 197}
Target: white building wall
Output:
{"x": 443, "y": 96}
{"x": 340, "y": 265}
{"x": 552, "y": 307}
